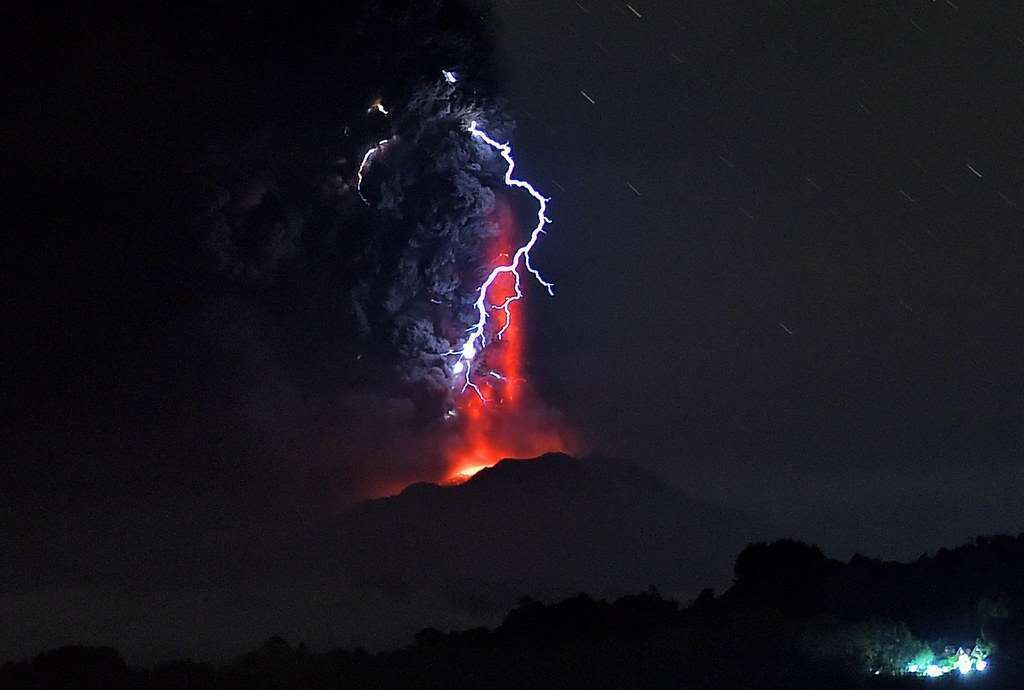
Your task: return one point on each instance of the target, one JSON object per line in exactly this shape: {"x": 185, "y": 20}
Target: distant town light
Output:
{"x": 933, "y": 671}
{"x": 981, "y": 664}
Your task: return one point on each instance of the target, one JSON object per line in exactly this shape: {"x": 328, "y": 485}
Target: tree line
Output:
{"x": 792, "y": 619}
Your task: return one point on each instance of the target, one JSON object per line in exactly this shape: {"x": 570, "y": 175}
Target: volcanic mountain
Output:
{"x": 449, "y": 557}
{"x": 546, "y": 527}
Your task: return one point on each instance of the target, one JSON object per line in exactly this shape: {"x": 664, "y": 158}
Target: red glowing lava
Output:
{"x": 510, "y": 421}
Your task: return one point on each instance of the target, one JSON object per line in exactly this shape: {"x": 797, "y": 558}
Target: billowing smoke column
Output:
{"x": 490, "y": 413}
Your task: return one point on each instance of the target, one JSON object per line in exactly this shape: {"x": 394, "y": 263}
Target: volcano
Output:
{"x": 547, "y": 527}
{"x": 447, "y": 557}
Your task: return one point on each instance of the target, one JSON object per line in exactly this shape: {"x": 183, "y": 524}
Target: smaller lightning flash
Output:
{"x": 449, "y": 77}
{"x": 379, "y": 107}
{"x": 367, "y": 157}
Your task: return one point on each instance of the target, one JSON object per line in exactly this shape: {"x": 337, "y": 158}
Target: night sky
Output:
{"x": 787, "y": 245}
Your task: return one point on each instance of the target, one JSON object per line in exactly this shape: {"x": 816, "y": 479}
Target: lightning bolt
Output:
{"x": 476, "y": 341}
{"x": 477, "y": 338}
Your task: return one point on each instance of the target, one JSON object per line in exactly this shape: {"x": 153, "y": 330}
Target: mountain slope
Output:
{"x": 546, "y": 527}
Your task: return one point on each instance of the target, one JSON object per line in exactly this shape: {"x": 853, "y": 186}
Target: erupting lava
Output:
{"x": 501, "y": 419}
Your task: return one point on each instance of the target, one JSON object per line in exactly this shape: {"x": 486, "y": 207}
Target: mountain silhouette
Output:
{"x": 546, "y": 527}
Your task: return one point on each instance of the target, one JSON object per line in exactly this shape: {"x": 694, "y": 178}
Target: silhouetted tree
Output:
{"x": 788, "y": 575}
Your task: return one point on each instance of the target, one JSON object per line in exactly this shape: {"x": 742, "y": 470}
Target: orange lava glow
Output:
{"x": 512, "y": 423}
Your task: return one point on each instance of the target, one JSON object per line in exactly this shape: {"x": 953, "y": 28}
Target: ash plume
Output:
{"x": 372, "y": 283}
{"x": 432, "y": 196}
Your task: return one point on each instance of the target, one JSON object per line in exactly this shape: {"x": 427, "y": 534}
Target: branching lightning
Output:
{"x": 476, "y": 340}
{"x": 502, "y": 418}
{"x": 478, "y": 333}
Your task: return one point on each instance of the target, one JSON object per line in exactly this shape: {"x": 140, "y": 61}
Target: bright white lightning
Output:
{"x": 362, "y": 166}
{"x": 476, "y": 340}
{"x": 449, "y": 76}
{"x": 379, "y": 107}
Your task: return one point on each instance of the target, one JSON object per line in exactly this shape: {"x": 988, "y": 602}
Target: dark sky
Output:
{"x": 787, "y": 244}
{"x": 810, "y": 306}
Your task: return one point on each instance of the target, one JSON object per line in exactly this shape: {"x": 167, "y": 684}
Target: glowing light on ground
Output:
{"x": 963, "y": 662}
